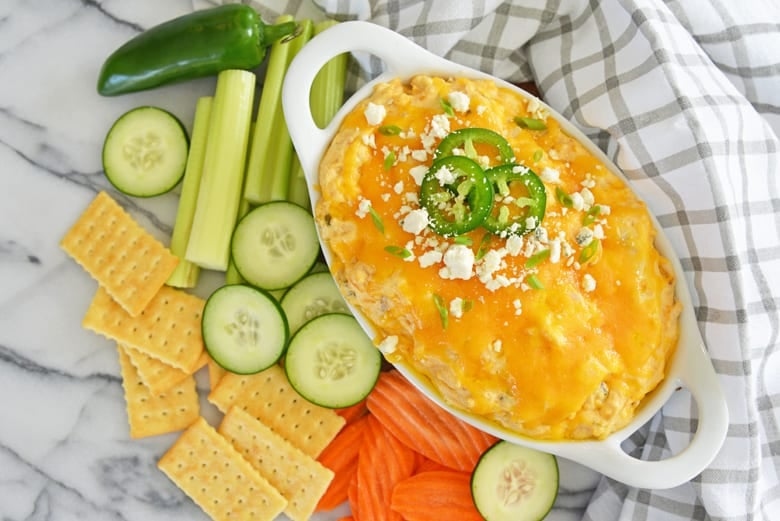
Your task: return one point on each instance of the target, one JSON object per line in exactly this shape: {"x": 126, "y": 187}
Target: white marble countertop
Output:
{"x": 65, "y": 451}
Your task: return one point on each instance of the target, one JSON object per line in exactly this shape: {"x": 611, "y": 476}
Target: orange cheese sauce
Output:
{"x": 568, "y": 361}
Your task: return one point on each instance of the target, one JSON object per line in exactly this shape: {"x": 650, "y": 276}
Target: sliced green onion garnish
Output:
{"x": 442, "y": 308}
{"x": 530, "y": 123}
{"x": 590, "y": 217}
{"x": 538, "y": 155}
{"x": 536, "y": 258}
{"x": 464, "y": 240}
{"x": 563, "y": 198}
{"x": 535, "y": 283}
{"x": 377, "y": 220}
{"x": 467, "y": 306}
{"x": 589, "y": 251}
{"x": 446, "y": 107}
{"x": 484, "y": 246}
{"x": 389, "y": 160}
{"x": 389, "y": 130}
{"x": 398, "y": 251}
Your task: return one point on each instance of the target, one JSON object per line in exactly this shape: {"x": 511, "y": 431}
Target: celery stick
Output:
{"x": 280, "y": 157}
{"x": 255, "y": 189}
{"x": 223, "y": 170}
{"x": 327, "y": 96}
{"x": 232, "y": 276}
{"x": 186, "y": 273}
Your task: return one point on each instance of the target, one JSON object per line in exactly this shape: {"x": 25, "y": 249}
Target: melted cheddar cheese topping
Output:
{"x": 563, "y": 349}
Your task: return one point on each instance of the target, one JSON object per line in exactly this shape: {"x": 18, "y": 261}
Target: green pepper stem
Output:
{"x": 271, "y": 33}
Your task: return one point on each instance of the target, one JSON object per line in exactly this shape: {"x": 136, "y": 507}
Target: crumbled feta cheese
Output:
{"x": 456, "y": 307}
{"x": 518, "y": 305}
{"x": 566, "y": 249}
{"x": 385, "y": 197}
{"x": 419, "y": 155}
{"x": 584, "y": 237}
{"x": 577, "y": 202}
{"x": 489, "y": 264}
{"x": 415, "y": 221}
{"x": 497, "y": 346}
{"x": 555, "y": 251}
{"x": 550, "y": 175}
{"x": 598, "y": 232}
{"x": 411, "y": 197}
{"x": 604, "y": 209}
{"x": 429, "y": 258}
{"x": 587, "y": 197}
{"x": 364, "y": 206}
{"x": 375, "y": 114}
{"x": 368, "y": 140}
{"x": 483, "y": 161}
{"x": 440, "y": 126}
{"x": 459, "y": 100}
{"x": 541, "y": 235}
{"x": 388, "y": 345}
{"x": 458, "y": 263}
{"x": 588, "y": 182}
{"x": 481, "y": 109}
{"x": 418, "y": 172}
{"x": 530, "y": 223}
{"x": 520, "y": 169}
{"x": 588, "y": 283}
{"x": 398, "y": 187}
{"x": 410, "y": 248}
{"x": 514, "y": 245}
{"x": 445, "y": 176}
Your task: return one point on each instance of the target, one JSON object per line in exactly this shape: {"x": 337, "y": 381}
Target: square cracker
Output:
{"x": 218, "y": 479}
{"x": 168, "y": 329}
{"x": 270, "y": 398}
{"x": 123, "y": 257}
{"x": 216, "y": 372}
{"x": 156, "y": 374}
{"x": 151, "y": 414}
{"x": 298, "y": 477}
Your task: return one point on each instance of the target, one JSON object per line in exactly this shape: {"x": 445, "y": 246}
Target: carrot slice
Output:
{"x": 439, "y": 494}
{"x": 427, "y": 465}
{"x": 353, "y": 412}
{"x": 425, "y": 427}
{"x": 341, "y": 456}
{"x": 352, "y": 495}
{"x": 383, "y": 461}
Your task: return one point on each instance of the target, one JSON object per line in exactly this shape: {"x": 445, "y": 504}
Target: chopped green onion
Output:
{"x": 389, "y": 160}
{"x": 377, "y": 220}
{"x": 563, "y": 198}
{"x": 589, "y": 251}
{"x": 535, "y": 283}
{"x": 590, "y": 217}
{"x": 536, "y": 258}
{"x": 398, "y": 251}
{"x": 530, "y": 123}
{"x": 484, "y": 246}
{"x": 445, "y": 105}
{"x": 538, "y": 155}
{"x": 442, "y": 308}
{"x": 389, "y": 130}
{"x": 464, "y": 240}
{"x": 467, "y": 306}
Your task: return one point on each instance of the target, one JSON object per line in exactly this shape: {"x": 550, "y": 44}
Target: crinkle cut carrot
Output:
{"x": 383, "y": 461}
{"x": 440, "y": 494}
{"x": 424, "y": 426}
{"x": 352, "y": 495}
{"x": 427, "y": 465}
{"x": 340, "y": 456}
{"x": 353, "y": 412}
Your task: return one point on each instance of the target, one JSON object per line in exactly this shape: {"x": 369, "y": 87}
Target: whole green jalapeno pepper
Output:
{"x": 203, "y": 43}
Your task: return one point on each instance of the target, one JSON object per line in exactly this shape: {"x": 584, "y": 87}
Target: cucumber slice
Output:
{"x": 275, "y": 245}
{"x": 145, "y": 152}
{"x": 514, "y": 483}
{"x": 331, "y": 361}
{"x": 244, "y": 329}
{"x": 314, "y": 295}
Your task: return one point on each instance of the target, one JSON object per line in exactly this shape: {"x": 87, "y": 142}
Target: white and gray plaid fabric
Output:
{"x": 685, "y": 97}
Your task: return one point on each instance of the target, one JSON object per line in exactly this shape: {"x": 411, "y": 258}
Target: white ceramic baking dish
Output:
{"x": 690, "y": 366}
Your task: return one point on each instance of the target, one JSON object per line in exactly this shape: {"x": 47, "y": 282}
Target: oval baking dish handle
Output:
{"x": 400, "y": 55}
{"x": 699, "y": 377}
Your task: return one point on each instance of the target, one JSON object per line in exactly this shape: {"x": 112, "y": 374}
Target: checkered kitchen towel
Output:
{"x": 684, "y": 95}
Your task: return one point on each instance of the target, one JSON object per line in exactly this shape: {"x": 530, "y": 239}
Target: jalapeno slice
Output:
{"x": 457, "y": 195}
{"x": 466, "y": 138}
{"x": 513, "y": 213}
